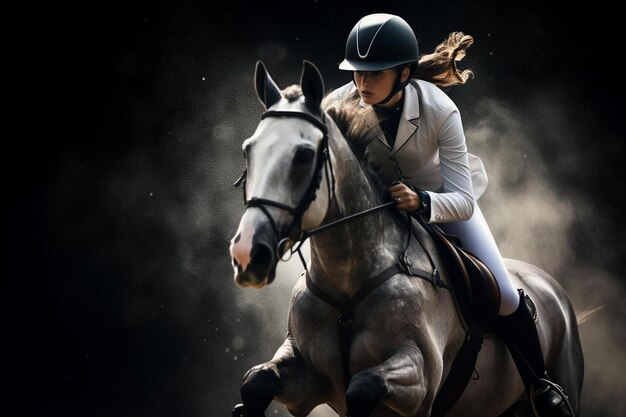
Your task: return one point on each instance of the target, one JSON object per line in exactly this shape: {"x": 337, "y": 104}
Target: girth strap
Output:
{"x": 346, "y": 308}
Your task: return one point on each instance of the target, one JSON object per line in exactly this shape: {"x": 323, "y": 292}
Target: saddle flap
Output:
{"x": 474, "y": 284}
{"x": 484, "y": 287}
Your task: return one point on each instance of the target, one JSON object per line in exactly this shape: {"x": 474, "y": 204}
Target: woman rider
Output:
{"x": 421, "y": 152}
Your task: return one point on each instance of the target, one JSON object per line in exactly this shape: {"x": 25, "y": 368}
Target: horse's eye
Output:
{"x": 303, "y": 156}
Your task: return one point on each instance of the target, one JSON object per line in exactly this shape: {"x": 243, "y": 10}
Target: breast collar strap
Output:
{"x": 346, "y": 307}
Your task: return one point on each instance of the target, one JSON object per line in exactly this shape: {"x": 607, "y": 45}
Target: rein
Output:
{"x": 316, "y": 230}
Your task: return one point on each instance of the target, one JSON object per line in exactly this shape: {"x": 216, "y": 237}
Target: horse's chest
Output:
{"x": 374, "y": 333}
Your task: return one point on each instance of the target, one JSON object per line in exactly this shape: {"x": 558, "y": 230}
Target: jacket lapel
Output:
{"x": 408, "y": 122}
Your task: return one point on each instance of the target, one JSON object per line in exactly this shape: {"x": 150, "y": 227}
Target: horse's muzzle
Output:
{"x": 259, "y": 270}
{"x": 253, "y": 256}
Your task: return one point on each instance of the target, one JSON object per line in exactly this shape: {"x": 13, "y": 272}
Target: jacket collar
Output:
{"x": 408, "y": 120}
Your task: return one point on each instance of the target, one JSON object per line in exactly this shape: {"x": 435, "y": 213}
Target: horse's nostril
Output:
{"x": 262, "y": 257}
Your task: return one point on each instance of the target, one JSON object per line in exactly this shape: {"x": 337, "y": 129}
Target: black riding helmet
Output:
{"x": 378, "y": 42}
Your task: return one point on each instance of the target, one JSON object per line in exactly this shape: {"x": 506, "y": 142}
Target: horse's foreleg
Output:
{"x": 260, "y": 385}
{"x": 285, "y": 378}
{"x": 398, "y": 383}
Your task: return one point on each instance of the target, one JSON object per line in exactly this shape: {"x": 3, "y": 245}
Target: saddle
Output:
{"x": 475, "y": 289}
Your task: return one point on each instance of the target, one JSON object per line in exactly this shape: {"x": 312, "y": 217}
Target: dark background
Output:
{"x": 120, "y": 297}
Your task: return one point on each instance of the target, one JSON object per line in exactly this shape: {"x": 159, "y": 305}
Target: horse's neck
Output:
{"x": 351, "y": 253}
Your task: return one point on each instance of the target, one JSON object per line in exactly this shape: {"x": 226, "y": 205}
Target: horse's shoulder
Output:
{"x": 305, "y": 304}
{"x": 300, "y": 291}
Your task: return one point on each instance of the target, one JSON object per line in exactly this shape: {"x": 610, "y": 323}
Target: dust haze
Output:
{"x": 534, "y": 211}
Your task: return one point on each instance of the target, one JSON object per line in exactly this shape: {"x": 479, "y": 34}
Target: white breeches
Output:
{"x": 476, "y": 237}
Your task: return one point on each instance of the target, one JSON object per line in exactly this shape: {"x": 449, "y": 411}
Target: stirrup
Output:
{"x": 557, "y": 388}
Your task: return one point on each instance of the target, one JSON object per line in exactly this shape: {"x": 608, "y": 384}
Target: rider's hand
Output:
{"x": 405, "y": 198}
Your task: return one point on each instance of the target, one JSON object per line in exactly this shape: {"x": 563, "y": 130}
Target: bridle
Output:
{"x": 296, "y": 235}
{"x": 322, "y": 163}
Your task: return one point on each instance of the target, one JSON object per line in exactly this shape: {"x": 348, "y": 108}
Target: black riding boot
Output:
{"x": 520, "y": 335}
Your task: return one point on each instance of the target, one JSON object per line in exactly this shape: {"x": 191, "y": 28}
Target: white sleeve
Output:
{"x": 456, "y": 201}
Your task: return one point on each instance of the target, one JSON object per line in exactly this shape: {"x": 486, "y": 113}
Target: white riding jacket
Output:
{"x": 429, "y": 152}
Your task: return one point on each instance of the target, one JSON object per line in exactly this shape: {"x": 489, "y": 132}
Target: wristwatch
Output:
{"x": 424, "y": 207}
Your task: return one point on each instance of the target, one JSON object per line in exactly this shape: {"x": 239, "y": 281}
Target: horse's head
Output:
{"x": 284, "y": 190}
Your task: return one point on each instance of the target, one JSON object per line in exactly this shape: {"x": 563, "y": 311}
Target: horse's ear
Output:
{"x": 266, "y": 89}
{"x": 312, "y": 86}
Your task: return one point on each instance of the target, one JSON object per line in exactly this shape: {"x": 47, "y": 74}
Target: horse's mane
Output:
{"x": 352, "y": 120}
{"x": 292, "y": 93}
{"x": 358, "y": 126}
{"x": 355, "y": 124}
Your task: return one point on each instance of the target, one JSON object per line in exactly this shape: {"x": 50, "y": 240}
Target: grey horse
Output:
{"x": 302, "y": 172}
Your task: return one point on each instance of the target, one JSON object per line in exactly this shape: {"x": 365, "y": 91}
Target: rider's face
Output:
{"x": 374, "y": 86}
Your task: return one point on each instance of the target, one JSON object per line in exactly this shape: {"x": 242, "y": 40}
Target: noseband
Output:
{"x": 323, "y": 162}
